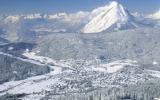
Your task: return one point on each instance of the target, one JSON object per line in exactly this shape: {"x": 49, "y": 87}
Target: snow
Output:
{"x": 155, "y": 63}
{"x": 98, "y": 69}
{"x": 15, "y": 72}
{"x": 25, "y": 60}
{"x": 155, "y": 15}
{"x": 136, "y": 14}
{"x": 49, "y": 30}
{"x": 32, "y": 84}
{"x": 37, "y": 85}
{"x": 10, "y": 48}
{"x": 45, "y": 60}
{"x": 101, "y": 19}
{"x": 72, "y": 18}
{"x": 32, "y": 55}
{"x": 105, "y": 17}
{"x": 154, "y": 73}
{"x": 31, "y": 87}
{"x": 57, "y": 16}
{"x": 12, "y": 19}
{"x": 33, "y": 16}
{"x": 115, "y": 66}
{"x": 156, "y": 98}
{"x": 33, "y": 97}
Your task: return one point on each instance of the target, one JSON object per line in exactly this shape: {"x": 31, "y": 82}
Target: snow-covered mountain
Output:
{"x": 27, "y": 26}
{"x": 11, "y": 19}
{"x": 110, "y": 17}
{"x": 155, "y": 15}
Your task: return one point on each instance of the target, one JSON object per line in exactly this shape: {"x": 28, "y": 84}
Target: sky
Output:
{"x": 71, "y": 6}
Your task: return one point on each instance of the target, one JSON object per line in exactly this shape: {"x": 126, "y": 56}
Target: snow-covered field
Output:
{"x": 18, "y": 58}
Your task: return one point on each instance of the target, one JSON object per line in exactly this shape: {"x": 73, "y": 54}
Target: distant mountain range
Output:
{"x": 112, "y": 17}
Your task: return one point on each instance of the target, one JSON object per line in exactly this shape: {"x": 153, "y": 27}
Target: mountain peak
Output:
{"x": 114, "y": 3}
{"x": 110, "y": 16}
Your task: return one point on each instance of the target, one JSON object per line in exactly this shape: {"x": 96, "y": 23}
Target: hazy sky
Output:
{"x": 52, "y": 6}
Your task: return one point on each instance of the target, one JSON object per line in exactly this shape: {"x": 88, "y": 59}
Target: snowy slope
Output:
{"x": 113, "y": 15}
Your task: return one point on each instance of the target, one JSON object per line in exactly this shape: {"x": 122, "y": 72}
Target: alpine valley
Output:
{"x": 108, "y": 53}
